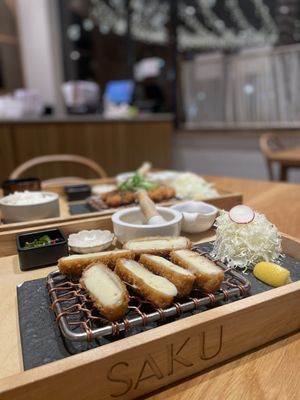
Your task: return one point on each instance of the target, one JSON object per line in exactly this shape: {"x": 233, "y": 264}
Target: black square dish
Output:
{"x": 20, "y": 185}
{"x": 77, "y": 192}
{"x": 41, "y": 256}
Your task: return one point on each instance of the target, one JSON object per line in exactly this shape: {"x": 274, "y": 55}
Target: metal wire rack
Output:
{"x": 79, "y": 320}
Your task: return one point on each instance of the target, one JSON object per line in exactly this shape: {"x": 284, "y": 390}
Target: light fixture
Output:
{"x": 149, "y": 21}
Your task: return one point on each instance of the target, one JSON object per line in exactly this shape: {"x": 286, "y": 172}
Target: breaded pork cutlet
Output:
{"x": 209, "y": 276}
{"x": 161, "y": 193}
{"x": 118, "y": 198}
{"x": 107, "y": 291}
{"x": 75, "y": 264}
{"x": 161, "y": 246}
{"x": 157, "y": 290}
{"x": 180, "y": 277}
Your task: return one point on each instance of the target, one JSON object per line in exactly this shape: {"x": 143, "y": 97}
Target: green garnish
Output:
{"x": 137, "y": 182}
{"x": 42, "y": 241}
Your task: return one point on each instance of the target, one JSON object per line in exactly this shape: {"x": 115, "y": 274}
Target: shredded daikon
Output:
{"x": 190, "y": 185}
{"x": 244, "y": 245}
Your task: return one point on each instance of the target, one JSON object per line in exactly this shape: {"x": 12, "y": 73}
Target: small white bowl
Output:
{"x": 105, "y": 188}
{"x": 90, "y": 241}
{"x": 197, "y": 216}
{"x": 44, "y": 205}
{"x": 130, "y": 224}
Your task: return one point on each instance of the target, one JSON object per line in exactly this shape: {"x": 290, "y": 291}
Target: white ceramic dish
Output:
{"x": 17, "y": 208}
{"x": 162, "y": 176}
{"x": 130, "y": 224}
{"x": 100, "y": 189}
{"x": 197, "y": 216}
{"x": 90, "y": 241}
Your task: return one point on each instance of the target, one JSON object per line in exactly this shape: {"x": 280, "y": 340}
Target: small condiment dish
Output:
{"x": 19, "y": 185}
{"x": 90, "y": 241}
{"x": 41, "y": 256}
{"x": 130, "y": 223}
{"x": 77, "y": 192}
{"x": 197, "y": 216}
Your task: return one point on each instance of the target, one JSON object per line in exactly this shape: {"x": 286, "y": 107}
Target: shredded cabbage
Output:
{"x": 189, "y": 185}
{"x": 244, "y": 245}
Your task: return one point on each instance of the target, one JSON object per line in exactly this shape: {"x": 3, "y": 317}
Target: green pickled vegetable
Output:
{"x": 137, "y": 182}
{"x": 42, "y": 241}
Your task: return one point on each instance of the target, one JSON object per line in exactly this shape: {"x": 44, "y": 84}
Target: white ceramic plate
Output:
{"x": 90, "y": 241}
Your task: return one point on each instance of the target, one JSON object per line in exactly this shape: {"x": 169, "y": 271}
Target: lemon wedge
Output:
{"x": 271, "y": 274}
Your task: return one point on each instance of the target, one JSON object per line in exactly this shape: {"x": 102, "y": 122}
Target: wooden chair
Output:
{"x": 269, "y": 144}
{"x": 58, "y": 158}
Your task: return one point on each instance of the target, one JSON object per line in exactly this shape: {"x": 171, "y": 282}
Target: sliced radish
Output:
{"x": 241, "y": 214}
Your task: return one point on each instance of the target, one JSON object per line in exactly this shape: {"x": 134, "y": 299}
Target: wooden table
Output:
{"x": 279, "y": 201}
{"x": 271, "y": 372}
{"x": 287, "y": 158}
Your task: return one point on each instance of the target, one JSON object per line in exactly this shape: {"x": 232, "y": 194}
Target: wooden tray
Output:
{"x": 74, "y": 223}
{"x": 140, "y": 364}
{"x": 225, "y": 201}
{"x": 8, "y": 238}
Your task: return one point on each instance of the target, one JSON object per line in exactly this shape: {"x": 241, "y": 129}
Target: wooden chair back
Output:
{"x": 58, "y": 158}
{"x": 269, "y": 143}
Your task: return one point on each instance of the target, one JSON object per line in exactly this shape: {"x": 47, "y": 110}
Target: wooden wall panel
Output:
{"x": 116, "y": 145}
{"x": 7, "y": 156}
{"x": 149, "y": 144}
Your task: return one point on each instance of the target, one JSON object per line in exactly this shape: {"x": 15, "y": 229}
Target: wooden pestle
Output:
{"x": 148, "y": 208}
{"x": 144, "y": 169}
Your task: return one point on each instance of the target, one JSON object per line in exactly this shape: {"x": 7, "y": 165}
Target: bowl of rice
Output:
{"x": 29, "y": 206}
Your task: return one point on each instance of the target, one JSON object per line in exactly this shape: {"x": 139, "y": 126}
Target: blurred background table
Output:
{"x": 287, "y": 158}
{"x": 278, "y": 201}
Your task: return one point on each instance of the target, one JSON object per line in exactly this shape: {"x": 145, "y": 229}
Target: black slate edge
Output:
{"x": 41, "y": 339}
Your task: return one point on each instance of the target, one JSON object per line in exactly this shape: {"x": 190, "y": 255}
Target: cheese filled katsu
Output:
{"x": 154, "y": 288}
{"x": 107, "y": 291}
{"x": 208, "y": 275}
{"x": 157, "y": 245}
{"x": 158, "y": 269}
{"x": 75, "y": 264}
{"x": 180, "y": 277}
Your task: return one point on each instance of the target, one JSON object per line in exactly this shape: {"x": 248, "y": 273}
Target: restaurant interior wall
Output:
{"x": 226, "y": 153}
{"x": 190, "y": 151}
{"x": 11, "y": 76}
{"x": 40, "y": 40}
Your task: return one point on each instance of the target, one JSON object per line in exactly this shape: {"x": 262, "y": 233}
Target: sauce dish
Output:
{"x": 197, "y": 216}
{"x": 90, "y": 241}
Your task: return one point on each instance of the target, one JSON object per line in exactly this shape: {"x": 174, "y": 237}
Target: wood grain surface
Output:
{"x": 280, "y": 202}
{"x": 116, "y": 145}
{"x": 271, "y": 372}
{"x": 290, "y": 156}
{"x": 156, "y": 358}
